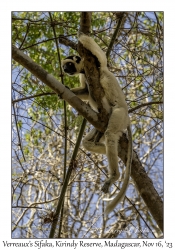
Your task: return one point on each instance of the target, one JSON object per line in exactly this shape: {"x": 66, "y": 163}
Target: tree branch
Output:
{"x": 143, "y": 183}
{"x": 58, "y": 88}
{"x": 116, "y": 33}
{"x": 67, "y": 42}
{"x": 143, "y": 105}
{"x": 138, "y": 173}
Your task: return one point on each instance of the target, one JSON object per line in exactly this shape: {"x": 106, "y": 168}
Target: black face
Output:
{"x": 69, "y": 68}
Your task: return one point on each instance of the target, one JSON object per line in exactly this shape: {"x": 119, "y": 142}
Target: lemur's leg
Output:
{"x": 117, "y": 123}
{"x": 94, "y": 143}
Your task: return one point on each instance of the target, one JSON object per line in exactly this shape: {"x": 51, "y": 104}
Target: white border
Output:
{"x": 5, "y": 93}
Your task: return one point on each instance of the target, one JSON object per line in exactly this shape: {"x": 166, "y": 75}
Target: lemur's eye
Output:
{"x": 70, "y": 63}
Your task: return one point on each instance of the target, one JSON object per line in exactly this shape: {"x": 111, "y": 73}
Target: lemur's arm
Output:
{"x": 93, "y": 47}
{"x": 82, "y": 91}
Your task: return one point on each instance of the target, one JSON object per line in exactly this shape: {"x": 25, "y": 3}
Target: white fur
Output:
{"x": 114, "y": 103}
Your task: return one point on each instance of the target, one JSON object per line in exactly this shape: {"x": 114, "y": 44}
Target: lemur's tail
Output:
{"x": 122, "y": 191}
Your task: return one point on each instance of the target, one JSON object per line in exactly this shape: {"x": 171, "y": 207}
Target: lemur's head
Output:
{"x": 73, "y": 65}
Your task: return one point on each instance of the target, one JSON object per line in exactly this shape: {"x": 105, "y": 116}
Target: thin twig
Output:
{"x": 143, "y": 105}
{"x": 66, "y": 181}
